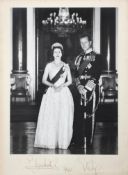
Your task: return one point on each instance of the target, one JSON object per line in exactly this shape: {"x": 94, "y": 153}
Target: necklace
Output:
{"x": 57, "y": 64}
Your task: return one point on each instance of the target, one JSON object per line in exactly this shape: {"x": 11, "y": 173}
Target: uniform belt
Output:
{"x": 85, "y": 77}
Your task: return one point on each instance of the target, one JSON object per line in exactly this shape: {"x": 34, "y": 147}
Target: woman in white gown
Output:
{"x": 55, "y": 119}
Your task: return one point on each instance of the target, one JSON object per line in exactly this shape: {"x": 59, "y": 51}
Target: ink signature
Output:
{"x": 41, "y": 164}
{"x": 80, "y": 166}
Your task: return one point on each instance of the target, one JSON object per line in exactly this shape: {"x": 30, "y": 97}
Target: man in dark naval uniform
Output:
{"x": 88, "y": 67}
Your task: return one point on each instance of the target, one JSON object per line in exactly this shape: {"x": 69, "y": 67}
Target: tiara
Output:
{"x": 57, "y": 45}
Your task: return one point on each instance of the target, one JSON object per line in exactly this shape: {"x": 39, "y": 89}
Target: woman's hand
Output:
{"x": 58, "y": 88}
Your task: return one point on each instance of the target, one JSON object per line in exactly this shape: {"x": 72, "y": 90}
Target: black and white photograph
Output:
{"x": 64, "y": 80}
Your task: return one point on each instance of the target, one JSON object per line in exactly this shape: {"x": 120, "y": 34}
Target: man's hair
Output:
{"x": 85, "y": 34}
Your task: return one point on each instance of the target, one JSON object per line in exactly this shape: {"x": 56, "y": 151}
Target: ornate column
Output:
{"x": 108, "y": 38}
{"x": 108, "y": 50}
{"x": 19, "y": 77}
{"x": 19, "y": 41}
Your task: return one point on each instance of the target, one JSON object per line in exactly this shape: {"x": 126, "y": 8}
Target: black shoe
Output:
{"x": 76, "y": 145}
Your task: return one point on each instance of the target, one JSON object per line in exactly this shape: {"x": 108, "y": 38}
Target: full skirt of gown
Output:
{"x": 55, "y": 119}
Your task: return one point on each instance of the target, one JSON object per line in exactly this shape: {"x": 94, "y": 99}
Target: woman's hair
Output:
{"x": 56, "y": 45}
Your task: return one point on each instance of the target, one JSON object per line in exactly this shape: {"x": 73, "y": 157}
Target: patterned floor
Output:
{"x": 22, "y": 139}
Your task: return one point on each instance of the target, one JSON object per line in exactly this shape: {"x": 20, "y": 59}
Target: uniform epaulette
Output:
{"x": 78, "y": 58}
